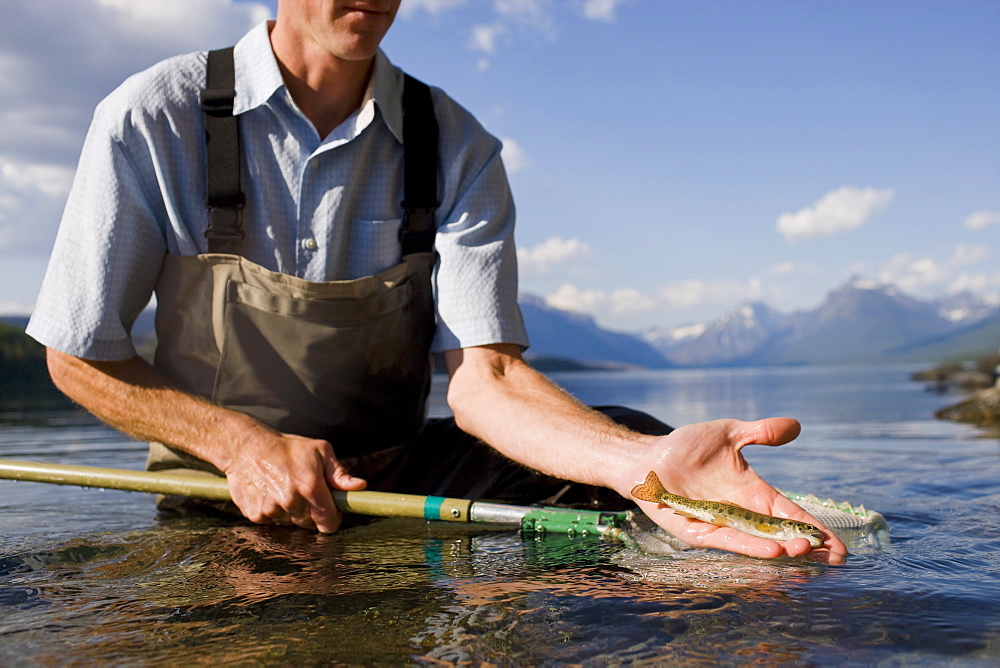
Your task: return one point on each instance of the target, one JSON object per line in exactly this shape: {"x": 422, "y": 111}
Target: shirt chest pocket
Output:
{"x": 374, "y": 246}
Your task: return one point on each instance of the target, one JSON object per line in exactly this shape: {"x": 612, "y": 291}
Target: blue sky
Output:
{"x": 669, "y": 159}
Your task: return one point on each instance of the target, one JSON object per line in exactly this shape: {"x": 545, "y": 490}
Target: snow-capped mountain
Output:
{"x": 862, "y": 321}
{"x": 734, "y": 337}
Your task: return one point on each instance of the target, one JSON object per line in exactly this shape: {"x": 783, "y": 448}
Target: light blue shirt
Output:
{"x": 319, "y": 209}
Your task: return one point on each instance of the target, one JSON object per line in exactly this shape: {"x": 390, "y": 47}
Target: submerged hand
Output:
{"x": 703, "y": 461}
{"x": 287, "y": 479}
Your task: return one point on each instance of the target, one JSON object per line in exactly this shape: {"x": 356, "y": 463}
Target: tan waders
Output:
{"x": 346, "y": 361}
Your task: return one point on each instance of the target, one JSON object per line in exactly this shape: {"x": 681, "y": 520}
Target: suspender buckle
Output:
{"x": 217, "y": 102}
{"x": 416, "y": 234}
{"x": 224, "y": 231}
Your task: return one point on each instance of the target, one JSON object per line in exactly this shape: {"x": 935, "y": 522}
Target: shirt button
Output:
{"x": 310, "y": 244}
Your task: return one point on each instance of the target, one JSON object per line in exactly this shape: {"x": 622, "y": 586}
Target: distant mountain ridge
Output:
{"x": 557, "y": 334}
{"x": 862, "y": 321}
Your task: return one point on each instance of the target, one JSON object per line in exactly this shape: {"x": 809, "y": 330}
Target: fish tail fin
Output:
{"x": 651, "y": 490}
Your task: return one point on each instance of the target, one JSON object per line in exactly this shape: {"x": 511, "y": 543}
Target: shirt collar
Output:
{"x": 258, "y": 78}
{"x": 387, "y": 90}
{"x": 257, "y": 73}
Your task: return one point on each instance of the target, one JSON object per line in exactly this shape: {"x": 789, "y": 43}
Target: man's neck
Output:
{"x": 327, "y": 89}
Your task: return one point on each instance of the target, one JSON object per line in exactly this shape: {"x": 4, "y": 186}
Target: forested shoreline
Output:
{"x": 22, "y": 361}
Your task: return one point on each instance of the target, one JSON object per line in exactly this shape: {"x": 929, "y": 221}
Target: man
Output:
{"x": 251, "y": 378}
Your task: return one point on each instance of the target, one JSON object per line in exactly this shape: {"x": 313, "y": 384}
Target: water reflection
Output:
{"x": 562, "y": 607}
{"x": 844, "y": 395}
{"x": 397, "y": 591}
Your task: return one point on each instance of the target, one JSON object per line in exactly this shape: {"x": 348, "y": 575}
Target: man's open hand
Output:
{"x": 703, "y": 461}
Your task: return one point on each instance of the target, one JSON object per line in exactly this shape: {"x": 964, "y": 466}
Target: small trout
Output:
{"x": 724, "y": 514}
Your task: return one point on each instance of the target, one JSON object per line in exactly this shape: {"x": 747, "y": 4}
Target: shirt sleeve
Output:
{"x": 476, "y": 278}
{"x": 107, "y": 254}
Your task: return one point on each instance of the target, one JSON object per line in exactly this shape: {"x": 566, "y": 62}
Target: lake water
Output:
{"x": 97, "y": 577}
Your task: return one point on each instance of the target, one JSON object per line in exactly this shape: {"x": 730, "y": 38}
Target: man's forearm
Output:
{"x": 500, "y": 399}
{"x": 131, "y": 396}
{"x": 273, "y": 477}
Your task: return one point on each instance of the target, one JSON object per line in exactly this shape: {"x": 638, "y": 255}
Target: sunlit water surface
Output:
{"x": 97, "y": 577}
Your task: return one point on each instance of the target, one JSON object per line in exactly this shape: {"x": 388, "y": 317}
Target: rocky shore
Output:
{"x": 982, "y": 405}
{"x": 981, "y": 409}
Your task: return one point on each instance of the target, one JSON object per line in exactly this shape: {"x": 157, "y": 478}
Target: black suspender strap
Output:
{"x": 420, "y": 168}
{"x": 224, "y": 196}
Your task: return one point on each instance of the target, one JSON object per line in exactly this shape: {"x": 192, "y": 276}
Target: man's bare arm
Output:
{"x": 273, "y": 477}
{"x": 500, "y": 399}
{"x": 530, "y": 419}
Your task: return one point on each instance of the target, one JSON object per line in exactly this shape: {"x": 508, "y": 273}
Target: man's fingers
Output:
{"x": 730, "y": 539}
{"x": 339, "y": 478}
{"x": 702, "y": 534}
{"x": 322, "y": 522}
{"x": 323, "y": 512}
{"x": 311, "y": 507}
{"x": 317, "y": 514}
{"x": 769, "y": 431}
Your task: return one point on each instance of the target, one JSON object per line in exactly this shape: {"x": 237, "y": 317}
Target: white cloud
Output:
{"x": 550, "y": 254}
{"x": 484, "y": 37}
{"x": 985, "y": 282}
{"x": 600, "y": 10}
{"x": 54, "y": 72}
{"x": 838, "y": 211}
{"x": 980, "y": 220}
{"x": 719, "y": 292}
{"x": 32, "y": 196}
{"x": 514, "y": 157}
{"x": 602, "y": 304}
{"x": 537, "y": 15}
{"x": 30, "y": 180}
{"x": 783, "y": 268}
{"x": 513, "y": 18}
{"x": 682, "y": 300}
{"x": 912, "y": 274}
{"x": 966, "y": 254}
{"x": 169, "y": 25}
{"x": 409, "y": 7}
{"x": 926, "y": 276}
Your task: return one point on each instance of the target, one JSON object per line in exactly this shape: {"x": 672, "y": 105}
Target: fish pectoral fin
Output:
{"x": 766, "y": 528}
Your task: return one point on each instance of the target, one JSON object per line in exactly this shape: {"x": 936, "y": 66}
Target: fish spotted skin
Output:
{"x": 724, "y": 514}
